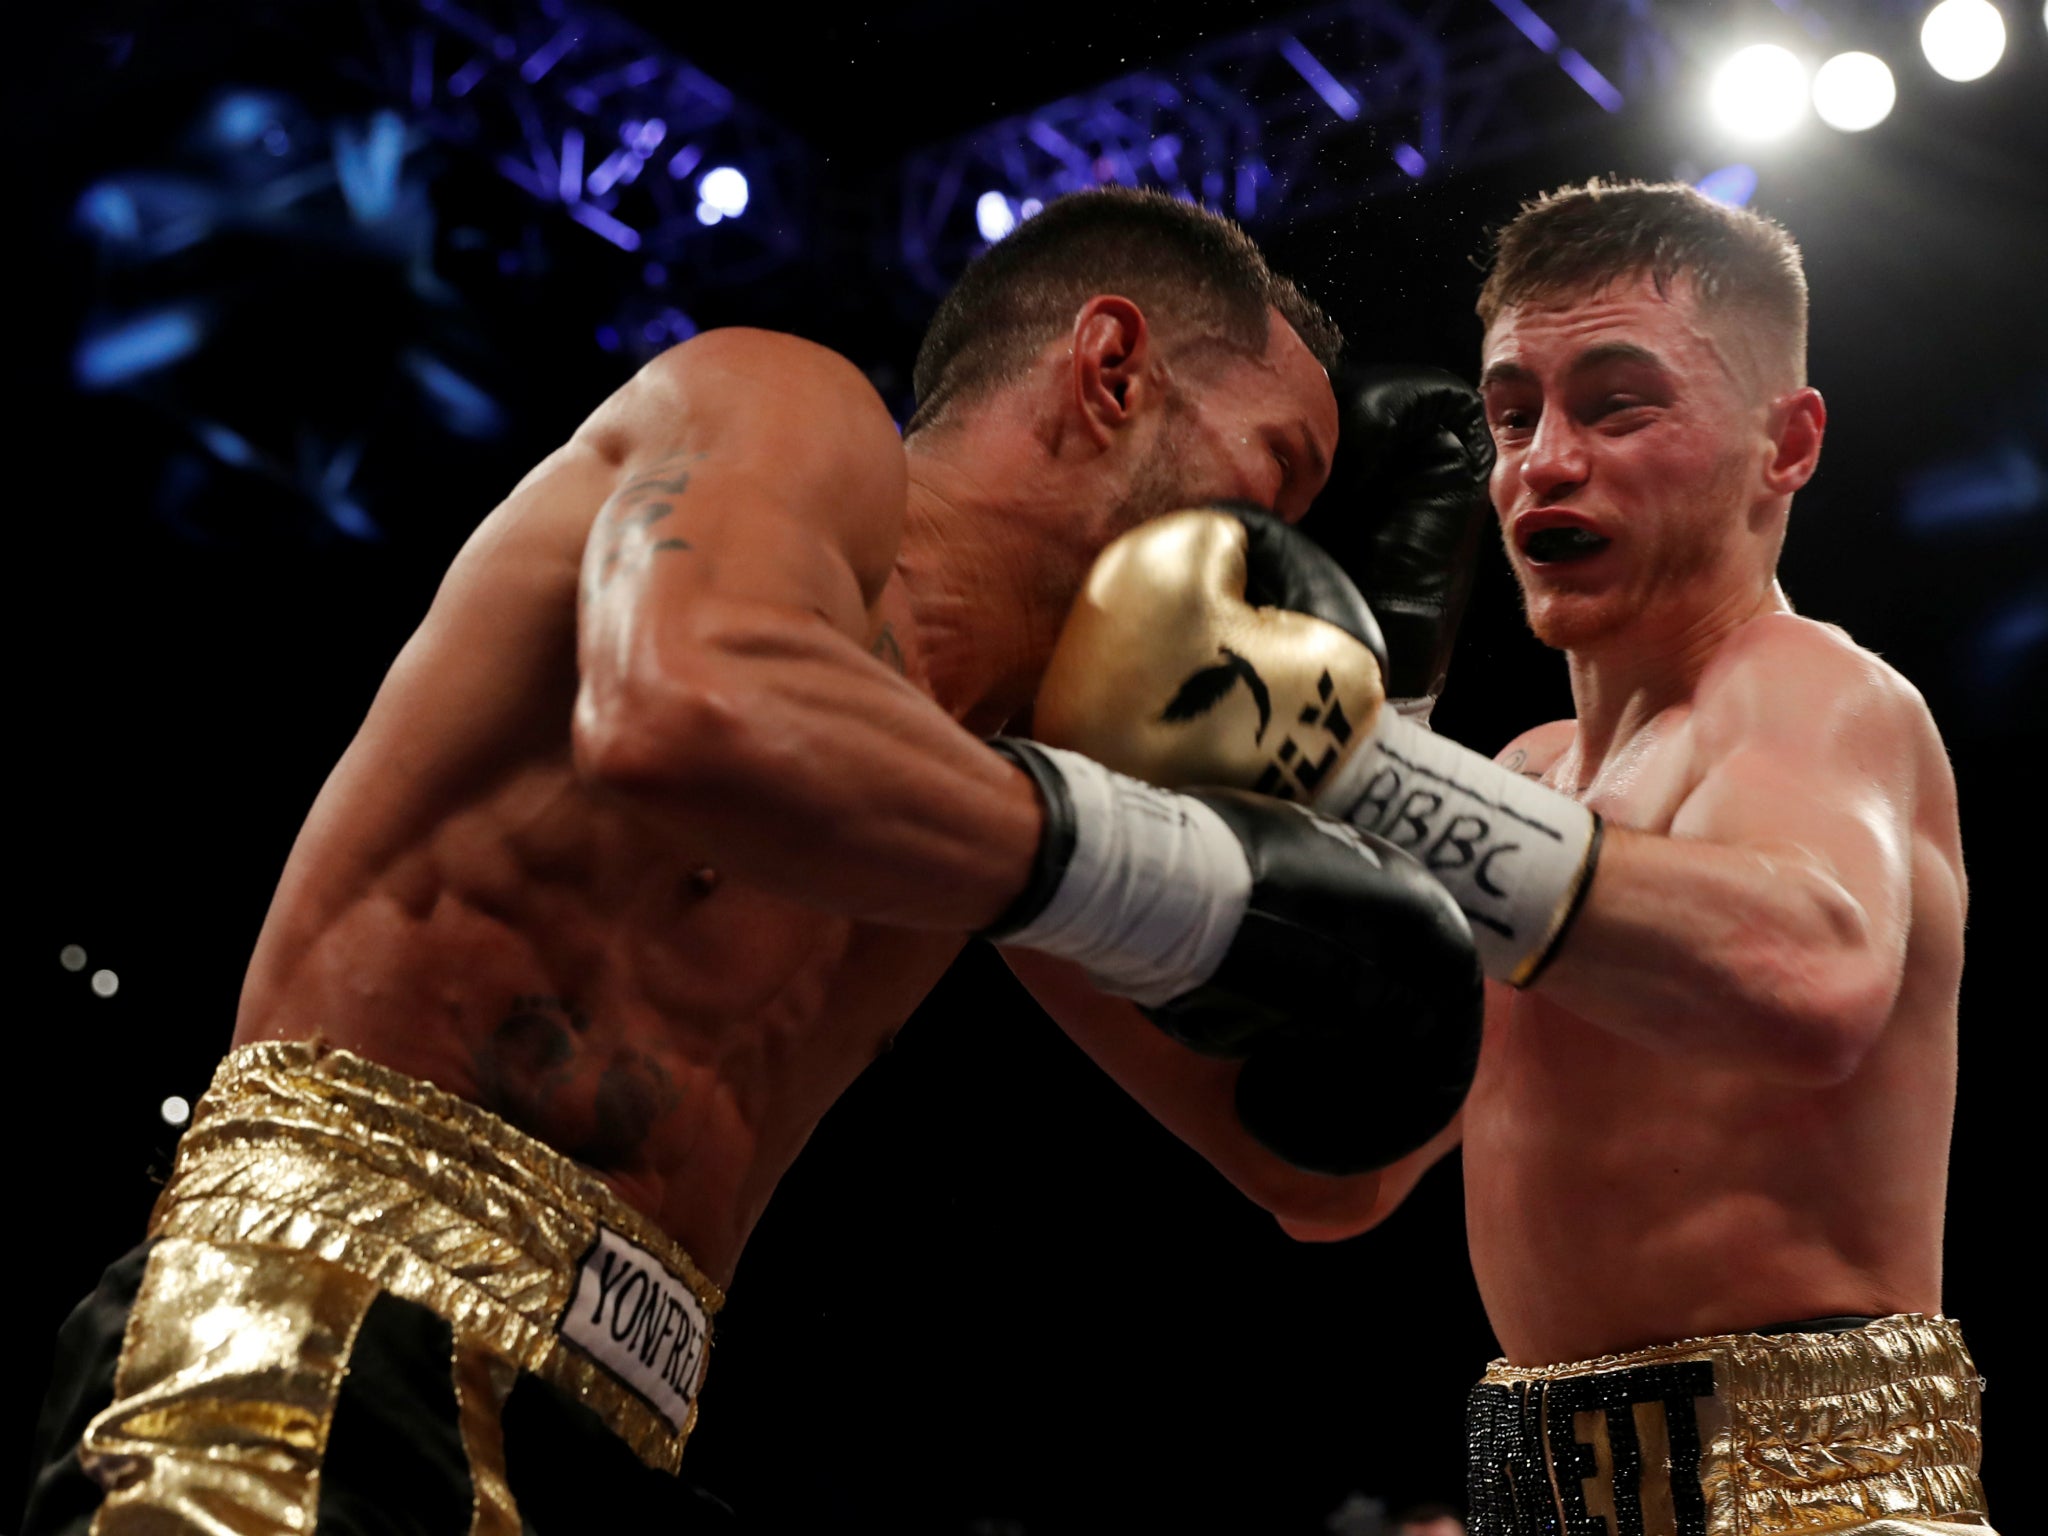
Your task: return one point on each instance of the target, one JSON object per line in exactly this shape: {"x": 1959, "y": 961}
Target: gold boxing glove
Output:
{"x": 1215, "y": 646}
{"x": 1220, "y": 647}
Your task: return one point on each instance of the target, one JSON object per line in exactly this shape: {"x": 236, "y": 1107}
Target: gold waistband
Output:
{"x": 434, "y": 1199}
{"x": 1741, "y": 1434}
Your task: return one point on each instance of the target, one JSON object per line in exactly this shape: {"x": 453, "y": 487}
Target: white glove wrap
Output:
{"x": 1514, "y": 855}
{"x": 1153, "y": 893}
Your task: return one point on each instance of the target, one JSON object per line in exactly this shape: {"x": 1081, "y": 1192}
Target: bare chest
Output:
{"x": 1640, "y": 784}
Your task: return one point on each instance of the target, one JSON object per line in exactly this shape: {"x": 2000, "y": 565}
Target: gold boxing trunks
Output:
{"x": 314, "y": 1187}
{"x": 1873, "y": 1430}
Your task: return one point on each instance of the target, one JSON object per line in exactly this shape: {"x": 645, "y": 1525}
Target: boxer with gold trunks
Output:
{"x": 664, "y": 820}
{"x": 1721, "y": 909}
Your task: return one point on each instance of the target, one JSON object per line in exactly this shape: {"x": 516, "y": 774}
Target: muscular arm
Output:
{"x": 725, "y": 681}
{"x": 1192, "y": 1096}
{"x": 1769, "y": 926}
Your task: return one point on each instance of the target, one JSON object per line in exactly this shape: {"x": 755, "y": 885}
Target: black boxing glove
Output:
{"x": 1247, "y": 927}
{"x": 1403, "y": 513}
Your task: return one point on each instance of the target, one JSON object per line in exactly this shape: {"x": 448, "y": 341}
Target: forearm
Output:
{"x": 780, "y": 753}
{"x": 1736, "y": 955}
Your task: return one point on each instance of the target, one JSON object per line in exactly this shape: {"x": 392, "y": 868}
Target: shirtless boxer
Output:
{"x": 1706, "y": 1152}
{"x": 660, "y": 826}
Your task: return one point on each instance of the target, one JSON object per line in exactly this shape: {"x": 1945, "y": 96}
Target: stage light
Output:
{"x": 992, "y": 216}
{"x": 72, "y": 957}
{"x": 1734, "y": 185}
{"x": 708, "y": 215}
{"x": 1963, "y": 39}
{"x": 1031, "y": 207}
{"x": 1853, "y": 91}
{"x": 1760, "y": 93}
{"x": 105, "y": 983}
{"x": 136, "y": 347}
{"x": 225, "y": 444}
{"x": 175, "y": 1110}
{"x": 725, "y": 189}
{"x": 463, "y": 407}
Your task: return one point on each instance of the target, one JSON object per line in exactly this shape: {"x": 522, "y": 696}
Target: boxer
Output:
{"x": 661, "y": 824}
{"x": 1721, "y": 908}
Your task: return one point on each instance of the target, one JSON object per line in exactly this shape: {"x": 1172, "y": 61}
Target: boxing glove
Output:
{"x": 1251, "y": 928}
{"x": 1403, "y": 513}
{"x": 1176, "y": 666}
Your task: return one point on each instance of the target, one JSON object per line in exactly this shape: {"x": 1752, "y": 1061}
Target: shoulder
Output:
{"x": 780, "y": 423}
{"x": 1785, "y": 678}
{"x": 754, "y": 384}
{"x": 1533, "y": 752}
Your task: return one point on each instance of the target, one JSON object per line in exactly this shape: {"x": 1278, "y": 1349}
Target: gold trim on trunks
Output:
{"x": 1739, "y": 1435}
{"x": 325, "y": 1171}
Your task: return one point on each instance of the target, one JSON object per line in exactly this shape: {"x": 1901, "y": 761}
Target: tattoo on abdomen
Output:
{"x": 547, "y": 1070}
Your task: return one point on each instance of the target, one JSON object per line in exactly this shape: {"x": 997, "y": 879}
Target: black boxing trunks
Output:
{"x": 367, "y": 1305}
{"x": 1873, "y": 1430}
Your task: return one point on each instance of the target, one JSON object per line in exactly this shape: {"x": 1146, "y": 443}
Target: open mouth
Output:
{"x": 1560, "y": 546}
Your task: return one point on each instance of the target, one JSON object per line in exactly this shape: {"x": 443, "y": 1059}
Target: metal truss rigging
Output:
{"x": 1330, "y": 107}
{"x": 587, "y": 112}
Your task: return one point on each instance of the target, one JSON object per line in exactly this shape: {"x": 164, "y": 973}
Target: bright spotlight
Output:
{"x": 725, "y": 189}
{"x": 1963, "y": 39}
{"x": 105, "y": 983}
{"x": 1853, "y": 91}
{"x": 175, "y": 1110}
{"x": 992, "y": 216}
{"x": 1760, "y": 93}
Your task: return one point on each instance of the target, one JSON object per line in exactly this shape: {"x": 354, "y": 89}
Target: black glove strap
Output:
{"x": 1055, "y": 843}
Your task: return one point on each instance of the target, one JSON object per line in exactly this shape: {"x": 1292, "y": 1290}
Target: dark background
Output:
{"x": 992, "y": 1294}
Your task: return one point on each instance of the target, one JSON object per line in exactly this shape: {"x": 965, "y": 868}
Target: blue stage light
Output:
{"x": 1734, "y": 184}
{"x": 240, "y": 118}
{"x": 724, "y": 188}
{"x": 607, "y": 338}
{"x": 135, "y": 347}
{"x": 993, "y": 216}
{"x": 465, "y": 409}
{"x": 367, "y": 165}
{"x": 110, "y": 212}
{"x": 1320, "y": 80}
{"x": 351, "y": 519}
{"x": 227, "y": 445}
{"x": 708, "y": 215}
{"x": 2005, "y": 484}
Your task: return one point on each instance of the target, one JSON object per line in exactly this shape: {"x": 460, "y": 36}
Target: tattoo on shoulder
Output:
{"x": 1517, "y": 761}
{"x": 623, "y": 541}
{"x": 888, "y": 652}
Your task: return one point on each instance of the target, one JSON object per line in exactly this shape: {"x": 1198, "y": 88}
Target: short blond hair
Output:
{"x": 1585, "y": 237}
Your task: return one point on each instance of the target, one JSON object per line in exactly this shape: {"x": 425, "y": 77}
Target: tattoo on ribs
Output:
{"x": 625, "y": 542}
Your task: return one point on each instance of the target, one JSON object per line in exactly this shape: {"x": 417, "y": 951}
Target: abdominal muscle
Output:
{"x": 540, "y": 954}
{"x": 1618, "y": 1200}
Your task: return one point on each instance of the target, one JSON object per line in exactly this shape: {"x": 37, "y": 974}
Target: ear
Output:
{"x": 1798, "y": 422}
{"x": 1112, "y": 352}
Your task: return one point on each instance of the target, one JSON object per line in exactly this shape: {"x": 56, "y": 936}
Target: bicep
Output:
{"x": 749, "y": 469}
{"x": 1817, "y": 774}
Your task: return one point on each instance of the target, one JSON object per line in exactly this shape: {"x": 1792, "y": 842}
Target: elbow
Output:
{"x": 658, "y": 736}
{"x": 1826, "y": 1022}
{"x": 1318, "y": 1208}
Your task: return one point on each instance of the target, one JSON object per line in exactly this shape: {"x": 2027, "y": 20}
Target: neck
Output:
{"x": 1626, "y": 680}
{"x": 987, "y": 583}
